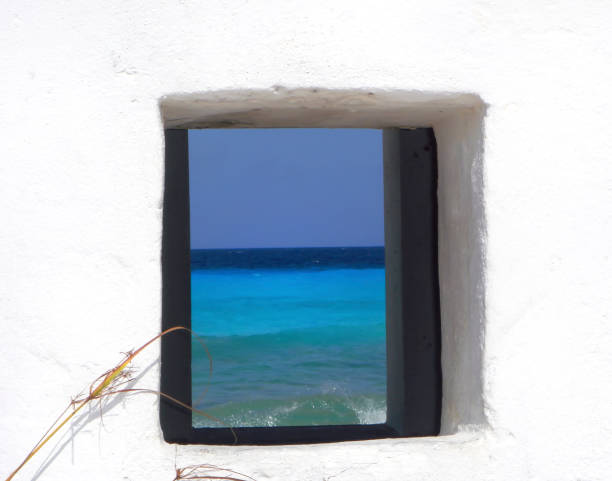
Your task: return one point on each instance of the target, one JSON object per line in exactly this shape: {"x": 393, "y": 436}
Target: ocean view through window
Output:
{"x": 287, "y": 276}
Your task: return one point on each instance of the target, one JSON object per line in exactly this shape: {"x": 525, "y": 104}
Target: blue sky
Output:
{"x": 285, "y": 188}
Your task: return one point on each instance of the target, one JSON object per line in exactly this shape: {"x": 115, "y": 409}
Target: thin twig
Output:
{"x": 103, "y": 386}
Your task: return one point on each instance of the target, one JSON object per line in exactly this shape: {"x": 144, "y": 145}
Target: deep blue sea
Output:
{"x": 297, "y": 336}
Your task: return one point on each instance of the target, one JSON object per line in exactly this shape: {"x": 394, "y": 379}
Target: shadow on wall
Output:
{"x": 103, "y": 406}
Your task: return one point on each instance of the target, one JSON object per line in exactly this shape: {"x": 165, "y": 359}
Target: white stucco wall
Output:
{"x": 518, "y": 93}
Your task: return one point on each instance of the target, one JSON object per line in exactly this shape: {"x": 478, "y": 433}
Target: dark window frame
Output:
{"x": 414, "y": 373}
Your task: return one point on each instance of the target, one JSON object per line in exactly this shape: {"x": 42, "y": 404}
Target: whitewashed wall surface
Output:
{"x": 519, "y": 96}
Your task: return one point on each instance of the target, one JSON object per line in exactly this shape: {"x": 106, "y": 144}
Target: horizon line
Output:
{"x": 284, "y": 247}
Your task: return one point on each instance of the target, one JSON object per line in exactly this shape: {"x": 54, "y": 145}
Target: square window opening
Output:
{"x": 412, "y": 361}
{"x": 287, "y": 277}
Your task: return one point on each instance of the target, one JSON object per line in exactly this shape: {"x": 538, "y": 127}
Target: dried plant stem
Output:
{"x": 104, "y": 386}
{"x": 202, "y": 471}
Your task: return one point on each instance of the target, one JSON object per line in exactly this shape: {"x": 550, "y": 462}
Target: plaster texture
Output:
{"x": 518, "y": 94}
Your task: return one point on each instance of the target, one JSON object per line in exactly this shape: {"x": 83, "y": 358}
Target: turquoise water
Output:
{"x": 297, "y": 337}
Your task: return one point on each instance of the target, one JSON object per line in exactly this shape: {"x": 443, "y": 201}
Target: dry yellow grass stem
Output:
{"x": 207, "y": 471}
{"x": 105, "y": 385}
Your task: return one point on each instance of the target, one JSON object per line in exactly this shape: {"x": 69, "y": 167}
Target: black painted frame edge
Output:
{"x": 175, "y": 421}
{"x": 421, "y": 318}
{"x": 176, "y": 291}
